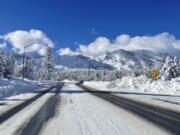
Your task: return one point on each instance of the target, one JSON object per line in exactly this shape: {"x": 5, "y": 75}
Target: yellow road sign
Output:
{"x": 154, "y": 74}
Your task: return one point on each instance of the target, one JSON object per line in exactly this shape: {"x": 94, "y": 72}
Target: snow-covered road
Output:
{"x": 81, "y": 113}
{"x": 78, "y": 112}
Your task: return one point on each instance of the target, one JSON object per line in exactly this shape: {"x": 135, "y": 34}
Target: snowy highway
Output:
{"x": 167, "y": 118}
{"x": 73, "y": 110}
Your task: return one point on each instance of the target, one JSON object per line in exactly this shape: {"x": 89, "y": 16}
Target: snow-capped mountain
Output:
{"x": 119, "y": 59}
{"x": 80, "y": 62}
{"x": 68, "y": 62}
{"x": 137, "y": 59}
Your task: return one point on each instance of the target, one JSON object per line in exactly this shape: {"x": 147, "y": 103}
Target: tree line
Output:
{"x": 10, "y": 67}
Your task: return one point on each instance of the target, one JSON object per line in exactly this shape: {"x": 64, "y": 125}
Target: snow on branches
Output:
{"x": 171, "y": 68}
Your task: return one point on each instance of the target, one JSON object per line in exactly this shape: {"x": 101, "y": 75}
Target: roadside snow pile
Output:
{"x": 140, "y": 84}
{"x": 144, "y": 84}
{"x": 16, "y": 86}
{"x": 100, "y": 85}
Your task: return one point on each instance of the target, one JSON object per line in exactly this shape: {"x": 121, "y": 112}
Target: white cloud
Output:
{"x": 96, "y": 48}
{"x": 160, "y": 42}
{"x": 66, "y": 51}
{"x": 18, "y": 39}
{"x": 163, "y": 42}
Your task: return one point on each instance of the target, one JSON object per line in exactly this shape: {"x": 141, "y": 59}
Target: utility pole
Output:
{"x": 23, "y": 63}
{"x": 89, "y": 72}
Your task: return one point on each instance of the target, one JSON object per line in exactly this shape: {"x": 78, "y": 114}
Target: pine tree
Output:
{"x": 171, "y": 68}
{"x": 2, "y": 63}
{"x": 6, "y": 72}
{"x": 28, "y": 68}
{"x": 48, "y": 63}
{"x": 11, "y": 65}
{"x": 6, "y": 66}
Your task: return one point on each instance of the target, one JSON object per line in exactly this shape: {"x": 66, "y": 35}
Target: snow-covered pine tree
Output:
{"x": 28, "y": 68}
{"x": 171, "y": 68}
{"x": 11, "y": 59}
{"x": 6, "y": 72}
{"x": 48, "y": 63}
{"x": 2, "y": 62}
{"x": 18, "y": 70}
{"x": 176, "y": 70}
{"x": 6, "y": 65}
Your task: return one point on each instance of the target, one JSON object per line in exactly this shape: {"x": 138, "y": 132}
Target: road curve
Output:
{"x": 166, "y": 118}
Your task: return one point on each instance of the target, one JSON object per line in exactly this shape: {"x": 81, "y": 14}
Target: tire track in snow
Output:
{"x": 46, "y": 112}
{"x": 5, "y": 116}
{"x": 165, "y": 118}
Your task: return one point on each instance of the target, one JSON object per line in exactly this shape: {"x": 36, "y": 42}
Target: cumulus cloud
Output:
{"x": 96, "y": 48}
{"x": 163, "y": 42}
{"x": 18, "y": 39}
{"x": 66, "y": 51}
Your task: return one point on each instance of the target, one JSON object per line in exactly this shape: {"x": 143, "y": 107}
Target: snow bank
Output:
{"x": 143, "y": 84}
{"x": 16, "y": 86}
{"x": 139, "y": 84}
{"x": 97, "y": 84}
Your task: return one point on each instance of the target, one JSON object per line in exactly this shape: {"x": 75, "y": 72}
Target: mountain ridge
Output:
{"x": 115, "y": 60}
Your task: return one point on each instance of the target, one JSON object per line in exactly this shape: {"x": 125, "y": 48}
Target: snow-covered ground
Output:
{"x": 81, "y": 113}
{"x": 139, "y": 84}
{"x": 17, "y": 86}
{"x": 16, "y": 91}
{"x": 162, "y": 93}
{"x": 11, "y": 126}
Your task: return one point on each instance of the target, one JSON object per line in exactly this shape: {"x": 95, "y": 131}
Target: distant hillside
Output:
{"x": 119, "y": 60}
{"x": 69, "y": 62}
{"x": 138, "y": 59}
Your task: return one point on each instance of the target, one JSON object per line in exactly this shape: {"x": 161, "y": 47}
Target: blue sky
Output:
{"x": 71, "y": 22}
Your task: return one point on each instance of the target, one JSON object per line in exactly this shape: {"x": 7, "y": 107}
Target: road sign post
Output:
{"x": 154, "y": 74}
